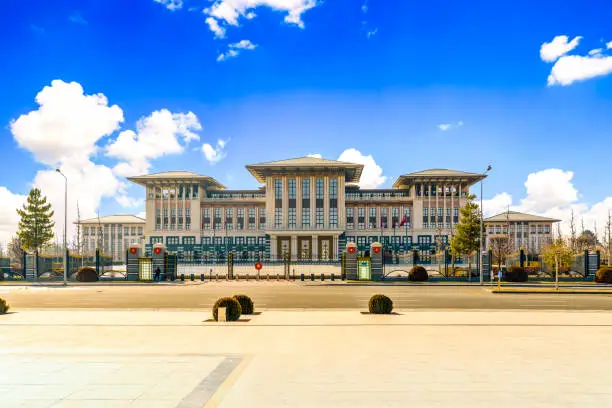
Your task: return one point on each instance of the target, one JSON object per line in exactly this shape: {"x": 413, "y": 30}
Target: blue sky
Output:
{"x": 414, "y": 85}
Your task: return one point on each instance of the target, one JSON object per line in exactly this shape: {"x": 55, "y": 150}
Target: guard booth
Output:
{"x": 350, "y": 261}
{"x": 376, "y": 256}
{"x": 134, "y": 253}
{"x": 158, "y": 260}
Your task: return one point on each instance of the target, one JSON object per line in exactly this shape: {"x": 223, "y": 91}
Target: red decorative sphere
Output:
{"x": 258, "y": 265}
{"x": 351, "y": 250}
{"x": 133, "y": 251}
{"x": 157, "y": 251}
{"x": 376, "y": 250}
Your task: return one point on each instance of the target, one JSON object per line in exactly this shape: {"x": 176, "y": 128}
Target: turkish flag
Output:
{"x": 404, "y": 220}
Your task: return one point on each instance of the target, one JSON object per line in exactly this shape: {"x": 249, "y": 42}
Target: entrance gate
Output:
{"x": 364, "y": 268}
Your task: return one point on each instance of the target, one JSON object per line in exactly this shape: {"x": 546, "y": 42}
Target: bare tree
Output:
{"x": 607, "y": 239}
{"x": 572, "y": 231}
{"x": 78, "y": 232}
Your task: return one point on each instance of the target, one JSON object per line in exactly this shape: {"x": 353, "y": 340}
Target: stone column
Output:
{"x": 273, "y": 247}
{"x": 294, "y": 248}
{"x": 315, "y": 247}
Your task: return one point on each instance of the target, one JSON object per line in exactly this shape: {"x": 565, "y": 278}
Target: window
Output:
{"x": 361, "y": 218}
{"x": 292, "y": 218}
{"x": 306, "y": 217}
{"x": 229, "y": 218}
{"x": 206, "y": 218}
{"x": 172, "y": 240}
{"x": 333, "y": 217}
{"x": 189, "y": 240}
{"x": 278, "y": 217}
{"x": 240, "y": 213}
{"x": 305, "y": 188}
{"x": 251, "y": 218}
{"x": 350, "y": 218}
{"x": 195, "y": 191}
{"x": 539, "y": 229}
{"x": 278, "y": 189}
{"x": 187, "y": 219}
{"x": 425, "y": 217}
{"x": 372, "y": 218}
{"x": 547, "y": 229}
{"x": 139, "y": 230}
{"x": 126, "y": 230}
{"x": 333, "y": 188}
{"x": 395, "y": 217}
{"x": 291, "y": 186}
{"x": 217, "y": 218}
{"x": 262, "y": 218}
{"x": 319, "y": 189}
{"x": 532, "y": 229}
{"x": 384, "y": 216}
{"x": 498, "y": 229}
{"x": 320, "y": 218}
{"x": 133, "y": 230}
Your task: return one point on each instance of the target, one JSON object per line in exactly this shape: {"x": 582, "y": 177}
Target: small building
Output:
{"x": 112, "y": 234}
{"x": 532, "y": 232}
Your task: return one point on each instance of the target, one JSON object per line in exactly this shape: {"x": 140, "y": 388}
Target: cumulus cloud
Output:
{"x": 499, "y": 203}
{"x": 573, "y": 68}
{"x": 609, "y": 45}
{"x": 229, "y": 12}
{"x": 171, "y": 4}
{"x": 547, "y": 189}
{"x": 316, "y": 155}
{"x": 214, "y": 154}
{"x": 372, "y": 33}
{"x": 560, "y": 45}
{"x": 158, "y": 134}
{"x": 371, "y": 177}
{"x": 9, "y": 219}
{"x": 129, "y": 202}
{"x": 67, "y": 124}
{"x": 215, "y": 27}
{"x": 235, "y": 48}
{"x": 448, "y": 126}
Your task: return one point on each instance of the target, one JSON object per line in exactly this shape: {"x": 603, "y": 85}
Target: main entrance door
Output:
{"x": 326, "y": 250}
{"x": 305, "y": 247}
{"x": 283, "y": 247}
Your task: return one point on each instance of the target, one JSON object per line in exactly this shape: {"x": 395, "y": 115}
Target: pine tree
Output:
{"x": 466, "y": 240}
{"x": 35, "y": 226}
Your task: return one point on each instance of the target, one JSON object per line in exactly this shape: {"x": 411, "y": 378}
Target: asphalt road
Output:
{"x": 291, "y": 295}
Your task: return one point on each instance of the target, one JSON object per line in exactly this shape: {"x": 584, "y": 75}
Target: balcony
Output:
{"x": 377, "y": 197}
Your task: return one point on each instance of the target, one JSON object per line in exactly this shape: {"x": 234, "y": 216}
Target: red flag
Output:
{"x": 404, "y": 220}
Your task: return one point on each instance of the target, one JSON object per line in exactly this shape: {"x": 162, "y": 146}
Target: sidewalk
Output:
{"x": 304, "y": 359}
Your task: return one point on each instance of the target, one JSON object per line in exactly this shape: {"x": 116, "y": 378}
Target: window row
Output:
{"x": 179, "y": 191}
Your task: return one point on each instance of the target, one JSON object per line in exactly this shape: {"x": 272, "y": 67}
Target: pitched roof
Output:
{"x": 115, "y": 219}
{"x": 352, "y": 171}
{"x": 175, "y": 175}
{"x": 437, "y": 174}
{"x": 515, "y": 216}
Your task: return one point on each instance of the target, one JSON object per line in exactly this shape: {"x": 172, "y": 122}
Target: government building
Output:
{"x": 306, "y": 208}
{"x": 531, "y": 232}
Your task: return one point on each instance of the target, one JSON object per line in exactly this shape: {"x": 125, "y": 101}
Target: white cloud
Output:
{"x": 609, "y": 45}
{"x": 235, "y": 48}
{"x": 596, "y": 51}
{"x": 214, "y": 154}
{"x": 9, "y": 219}
{"x": 230, "y": 11}
{"x": 67, "y": 124}
{"x": 129, "y": 202}
{"x": 171, "y": 4}
{"x": 371, "y": 177}
{"x": 215, "y": 27}
{"x": 572, "y": 68}
{"x": 317, "y": 155}
{"x": 158, "y": 134}
{"x": 551, "y": 193}
{"x": 372, "y": 33}
{"x": 448, "y": 126}
{"x": 142, "y": 214}
{"x": 559, "y": 46}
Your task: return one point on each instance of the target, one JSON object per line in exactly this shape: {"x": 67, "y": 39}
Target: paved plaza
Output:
{"x": 294, "y": 358}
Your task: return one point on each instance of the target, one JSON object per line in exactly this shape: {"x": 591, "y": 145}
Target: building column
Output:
{"x": 273, "y": 246}
{"x": 294, "y": 248}
{"x": 335, "y": 250}
{"x": 315, "y": 247}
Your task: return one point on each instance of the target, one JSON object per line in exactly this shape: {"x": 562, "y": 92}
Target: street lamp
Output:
{"x": 481, "y": 228}
{"x": 65, "y": 225}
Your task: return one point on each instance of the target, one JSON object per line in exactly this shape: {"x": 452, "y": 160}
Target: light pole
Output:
{"x": 481, "y": 228}
{"x": 65, "y": 225}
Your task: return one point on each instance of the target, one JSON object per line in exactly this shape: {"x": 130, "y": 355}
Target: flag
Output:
{"x": 404, "y": 220}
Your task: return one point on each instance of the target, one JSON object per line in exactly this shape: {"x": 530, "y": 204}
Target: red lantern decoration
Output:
{"x": 157, "y": 251}
{"x": 376, "y": 250}
{"x": 351, "y": 250}
{"x": 258, "y": 266}
{"x": 133, "y": 251}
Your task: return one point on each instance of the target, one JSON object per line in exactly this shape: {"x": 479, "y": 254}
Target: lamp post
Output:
{"x": 481, "y": 228}
{"x": 65, "y": 225}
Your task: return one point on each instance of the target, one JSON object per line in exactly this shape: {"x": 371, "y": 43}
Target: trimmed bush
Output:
{"x": 4, "y": 307}
{"x": 380, "y": 304}
{"x": 604, "y": 275}
{"x": 246, "y": 303}
{"x": 87, "y": 274}
{"x": 234, "y": 310}
{"x": 418, "y": 274}
{"x": 515, "y": 274}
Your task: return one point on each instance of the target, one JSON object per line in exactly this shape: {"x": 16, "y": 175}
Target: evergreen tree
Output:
{"x": 35, "y": 226}
{"x": 466, "y": 240}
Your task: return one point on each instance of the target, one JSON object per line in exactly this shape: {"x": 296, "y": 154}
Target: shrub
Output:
{"x": 515, "y": 274}
{"x": 604, "y": 275}
{"x": 380, "y": 304}
{"x": 246, "y": 303}
{"x": 87, "y": 274}
{"x": 417, "y": 274}
{"x": 4, "y": 307}
{"x": 234, "y": 310}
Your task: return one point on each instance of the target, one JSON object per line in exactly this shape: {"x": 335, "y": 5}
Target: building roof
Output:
{"x": 175, "y": 175}
{"x": 115, "y": 219}
{"x": 515, "y": 216}
{"x": 437, "y": 175}
{"x": 352, "y": 171}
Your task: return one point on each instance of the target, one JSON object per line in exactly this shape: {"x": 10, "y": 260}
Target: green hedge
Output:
{"x": 380, "y": 304}
{"x": 604, "y": 275}
{"x": 234, "y": 310}
{"x": 4, "y": 307}
{"x": 246, "y": 303}
{"x": 87, "y": 274}
{"x": 418, "y": 274}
